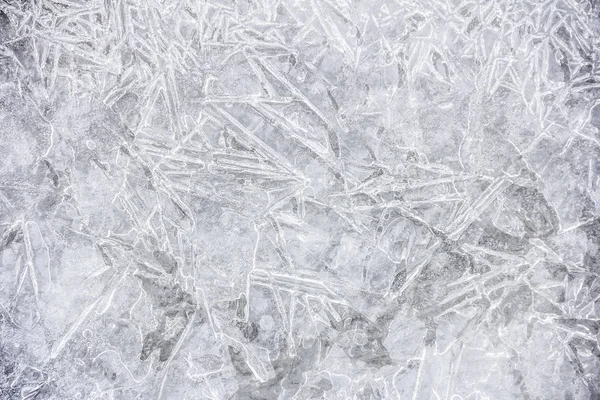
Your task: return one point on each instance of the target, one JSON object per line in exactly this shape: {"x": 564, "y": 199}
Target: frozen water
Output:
{"x": 300, "y": 199}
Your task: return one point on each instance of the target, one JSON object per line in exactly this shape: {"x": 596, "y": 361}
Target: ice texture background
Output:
{"x": 299, "y": 199}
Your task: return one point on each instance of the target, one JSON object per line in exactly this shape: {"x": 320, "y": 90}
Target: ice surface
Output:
{"x": 299, "y": 199}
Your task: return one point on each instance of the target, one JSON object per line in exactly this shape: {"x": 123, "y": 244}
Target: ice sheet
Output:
{"x": 299, "y": 199}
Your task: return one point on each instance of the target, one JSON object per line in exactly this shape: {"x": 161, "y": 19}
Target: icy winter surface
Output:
{"x": 299, "y": 199}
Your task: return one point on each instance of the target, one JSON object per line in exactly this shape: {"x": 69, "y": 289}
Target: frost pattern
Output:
{"x": 303, "y": 199}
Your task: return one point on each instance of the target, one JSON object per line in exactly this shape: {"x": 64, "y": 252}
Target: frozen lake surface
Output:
{"x": 299, "y": 199}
